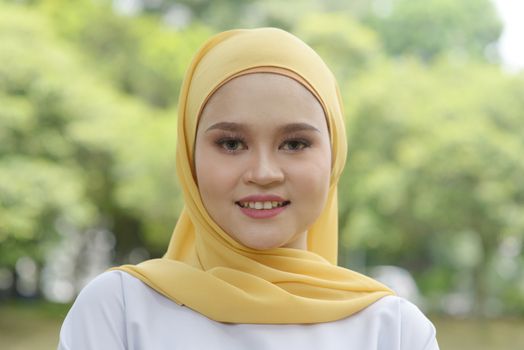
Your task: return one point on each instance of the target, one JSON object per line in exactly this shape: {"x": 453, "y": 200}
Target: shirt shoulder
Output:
{"x": 105, "y": 288}
{"x": 414, "y": 331}
{"x": 417, "y": 331}
{"x": 97, "y": 317}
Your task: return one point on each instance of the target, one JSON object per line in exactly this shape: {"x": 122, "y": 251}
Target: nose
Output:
{"x": 263, "y": 169}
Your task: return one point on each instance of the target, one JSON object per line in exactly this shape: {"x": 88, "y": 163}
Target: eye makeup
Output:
{"x": 295, "y": 144}
{"x": 230, "y": 143}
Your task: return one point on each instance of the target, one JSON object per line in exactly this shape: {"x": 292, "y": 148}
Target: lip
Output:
{"x": 262, "y": 214}
{"x": 266, "y": 213}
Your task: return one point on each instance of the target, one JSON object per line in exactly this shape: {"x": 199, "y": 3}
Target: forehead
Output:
{"x": 263, "y": 96}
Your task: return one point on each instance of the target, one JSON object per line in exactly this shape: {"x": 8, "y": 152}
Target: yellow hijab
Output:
{"x": 204, "y": 268}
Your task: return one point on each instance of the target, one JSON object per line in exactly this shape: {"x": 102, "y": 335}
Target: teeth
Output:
{"x": 261, "y": 205}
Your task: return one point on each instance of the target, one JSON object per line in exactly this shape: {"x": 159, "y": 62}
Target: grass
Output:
{"x": 35, "y": 325}
{"x": 499, "y": 334}
{"x": 30, "y": 325}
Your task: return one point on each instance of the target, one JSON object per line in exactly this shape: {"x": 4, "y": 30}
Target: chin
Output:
{"x": 260, "y": 244}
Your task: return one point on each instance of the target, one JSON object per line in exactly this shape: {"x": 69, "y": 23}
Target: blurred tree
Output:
{"x": 432, "y": 180}
{"x": 433, "y": 27}
{"x": 40, "y": 179}
{"x": 139, "y": 56}
{"x": 74, "y": 149}
{"x": 347, "y": 46}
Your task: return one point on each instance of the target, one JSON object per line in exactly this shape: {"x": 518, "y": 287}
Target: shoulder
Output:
{"x": 102, "y": 296}
{"x": 398, "y": 318}
{"x": 97, "y": 316}
{"x": 417, "y": 331}
{"x": 105, "y": 287}
{"x": 111, "y": 290}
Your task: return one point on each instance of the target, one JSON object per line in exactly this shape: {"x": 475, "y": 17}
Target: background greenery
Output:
{"x": 434, "y": 181}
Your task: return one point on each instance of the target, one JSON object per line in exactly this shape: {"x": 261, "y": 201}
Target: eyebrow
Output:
{"x": 288, "y": 128}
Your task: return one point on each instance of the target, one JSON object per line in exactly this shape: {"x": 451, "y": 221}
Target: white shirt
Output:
{"x": 118, "y": 311}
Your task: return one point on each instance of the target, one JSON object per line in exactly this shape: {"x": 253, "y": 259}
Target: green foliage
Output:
{"x": 432, "y": 180}
{"x": 346, "y": 45}
{"x": 432, "y": 27}
{"x": 73, "y": 148}
{"x": 139, "y": 56}
{"x": 38, "y": 177}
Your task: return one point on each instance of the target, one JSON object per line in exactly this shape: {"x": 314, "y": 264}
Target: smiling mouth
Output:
{"x": 266, "y": 205}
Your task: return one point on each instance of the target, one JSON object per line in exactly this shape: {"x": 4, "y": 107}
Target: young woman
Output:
{"x": 252, "y": 260}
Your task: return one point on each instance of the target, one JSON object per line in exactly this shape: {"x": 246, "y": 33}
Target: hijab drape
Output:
{"x": 204, "y": 268}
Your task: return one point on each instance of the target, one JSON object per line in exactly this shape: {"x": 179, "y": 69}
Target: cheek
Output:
{"x": 215, "y": 177}
{"x": 312, "y": 179}
{"x": 204, "y": 166}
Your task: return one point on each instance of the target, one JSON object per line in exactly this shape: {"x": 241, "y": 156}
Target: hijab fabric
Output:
{"x": 208, "y": 271}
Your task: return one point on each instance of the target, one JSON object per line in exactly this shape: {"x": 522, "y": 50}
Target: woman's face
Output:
{"x": 263, "y": 160}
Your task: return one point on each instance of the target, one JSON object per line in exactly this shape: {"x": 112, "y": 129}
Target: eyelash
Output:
{"x": 222, "y": 142}
{"x": 302, "y": 142}
{"x": 238, "y": 140}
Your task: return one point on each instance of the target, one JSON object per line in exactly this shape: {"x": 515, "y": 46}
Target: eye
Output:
{"x": 231, "y": 144}
{"x": 295, "y": 145}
